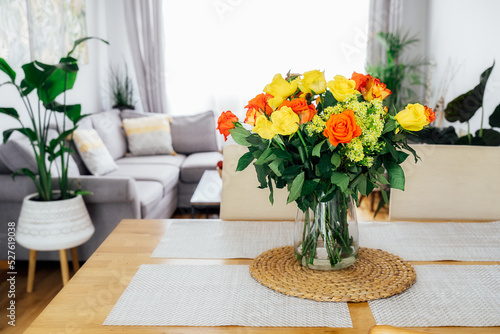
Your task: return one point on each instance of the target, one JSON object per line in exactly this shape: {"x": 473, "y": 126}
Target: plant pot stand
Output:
{"x": 63, "y": 258}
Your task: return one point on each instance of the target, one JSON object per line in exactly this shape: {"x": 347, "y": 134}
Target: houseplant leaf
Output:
{"x": 25, "y": 131}
{"x": 465, "y": 106}
{"x": 4, "y": 67}
{"x": 491, "y": 137}
{"x": 495, "y": 117}
{"x": 81, "y": 40}
{"x": 10, "y": 111}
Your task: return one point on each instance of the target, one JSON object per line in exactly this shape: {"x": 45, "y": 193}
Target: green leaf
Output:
{"x": 4, "y": 67}
{"x": 10, "y": 111}
{"x": 296, "y": 188}
{"x": 491, "y": 137}
{"x": 398, "y": 137}
{"x": 244, "y": 161}
{"x": 495, "y": 117}
{"x": 261, "y": 175}
{"x": 239, "y": 135}
{"x": 401, "y": 157}
{"x": 324, "y": 166}
{"x": 396, "y": 175}
{"x": 274, "y": 166}
{"x": 73, "y": 112}
{"x": 329, "y": 100}
{"x": 336, "y": 160}
{"x": 81, "y": 40}
{"x": 341, "y": 180}
{"x": 389, "y": 126}
{"x": 316, "y": 152}
{"x": 262, "y": 158}
{"x": 25, "y": 131}
{"x": 271, "y": 190}
{"x": 465, "y": 106}
{"x": 309, "y": 187}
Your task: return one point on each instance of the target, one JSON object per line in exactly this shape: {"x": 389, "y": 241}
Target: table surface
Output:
{"x": 208, "y": 190}
{"x": 85, "y": 302}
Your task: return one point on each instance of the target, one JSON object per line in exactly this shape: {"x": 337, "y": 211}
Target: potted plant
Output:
{"x": 51, "y": 219}
{"x": 121, "y": 89}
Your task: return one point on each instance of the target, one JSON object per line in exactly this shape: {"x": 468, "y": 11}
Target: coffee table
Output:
{"x": 207, "y": 193}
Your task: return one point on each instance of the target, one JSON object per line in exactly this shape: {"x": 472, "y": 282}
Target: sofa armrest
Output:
{"x": 106, "y": 189}
{"x": 14, "y": 190}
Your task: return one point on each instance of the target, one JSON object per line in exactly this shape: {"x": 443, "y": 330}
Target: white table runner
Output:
{"x": 413, "y": 241}
{"x": 417, "y": 241}
{"x": 209, "y": 239}
{"x": 445, "y": 295}
{"x": 215, "y": 295}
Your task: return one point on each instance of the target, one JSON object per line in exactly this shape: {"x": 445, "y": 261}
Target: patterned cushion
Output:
{"x": 93, "y": 152}
{"x": 148, "y": 135}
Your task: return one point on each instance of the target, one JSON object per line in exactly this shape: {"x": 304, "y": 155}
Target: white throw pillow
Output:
{"x": 148, "y": 135}
{"x": 94, "y": 153}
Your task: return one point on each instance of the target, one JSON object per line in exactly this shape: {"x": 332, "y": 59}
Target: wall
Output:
{"x": 463, "y": 42}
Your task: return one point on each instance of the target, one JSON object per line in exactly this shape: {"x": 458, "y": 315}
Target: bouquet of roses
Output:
{"x": 320, "y": 139}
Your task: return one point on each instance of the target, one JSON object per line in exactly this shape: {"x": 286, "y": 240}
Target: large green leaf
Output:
{"x": 73, "y": 112}
{"x": 239, "y": 135}
{"x": 57, "y": 83}
{"x": 495, "y": 117}
{"x": 81, "y": 40}
{"x": 396, "y": 175}
{"x": 465, "y": 106}
{"x": 341, "y": 180}
{"x": 491, "y": 137}
{"x": 296, "y": 188}
{"x": 244, "y": 161}
{"x": 25, "y": 131}
{"x": 10, "y": 111}
{"x": 4, "y": 67}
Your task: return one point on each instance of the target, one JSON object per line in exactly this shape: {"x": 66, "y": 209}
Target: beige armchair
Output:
{"x": 241, "y": 199}
{"x": 449, "y": 183}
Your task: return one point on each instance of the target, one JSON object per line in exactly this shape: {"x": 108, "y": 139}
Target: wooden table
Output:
{"x": 84, "y": 303}
{"x": 208, "y": 191}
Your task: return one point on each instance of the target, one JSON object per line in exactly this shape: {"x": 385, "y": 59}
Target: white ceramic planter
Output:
{"x": 55, "y": 225}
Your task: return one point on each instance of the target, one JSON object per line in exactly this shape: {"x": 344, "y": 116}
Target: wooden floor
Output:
{"x": 48, "y": 278}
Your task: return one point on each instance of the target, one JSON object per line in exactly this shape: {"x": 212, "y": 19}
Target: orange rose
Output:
{"x": 251, "y": 116}
{"x": 226, "y": 122}
{"x": 305, "y": 111}
{"x": 259, "y": 103}
{"x": 429, "y": 114}
{"x": 370, "y": 87}
{"x": 342, "y": 128}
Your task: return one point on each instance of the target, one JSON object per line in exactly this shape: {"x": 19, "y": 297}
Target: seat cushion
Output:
{"x": 167, "y": 176}
{"x": 195, "y": 164}
{"x": 150, "y": 194}
{"x": 194, "y": 133}
{"x": 108, "y": 125}
{"x": 172, "y": 160}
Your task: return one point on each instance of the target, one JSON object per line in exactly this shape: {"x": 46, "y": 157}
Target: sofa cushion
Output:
{"x": 173, "y": 160}
{"x": 167, "y": 176}
{"x": 150, "y": 194}
{"x": 194, "y": 133}
{"x": 3, "y": 167}
{"x": 93, "y": 152}
{"x": 18, "y": 153}
{"x": 149, "y": 135}
{"x": 195, "y": 164}
{"x": 108, "y": 125}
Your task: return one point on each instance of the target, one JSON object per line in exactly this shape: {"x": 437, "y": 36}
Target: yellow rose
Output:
{"x": 281, "y": 87}
{"x": 275, "y": 102}
{"x": 285, "y": 121}
{"x": 313, "y": 82}
{"x": 412, "y": 118}
{"x": 340, "y": 87}
{"x": 263, "y": 127}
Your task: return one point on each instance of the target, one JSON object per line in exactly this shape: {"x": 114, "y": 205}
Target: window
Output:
{"x": 221, "y": 53}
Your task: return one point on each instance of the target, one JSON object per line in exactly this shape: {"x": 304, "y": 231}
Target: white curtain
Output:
{"x": 386, "y": 16}
{"x": 146, "y": 36}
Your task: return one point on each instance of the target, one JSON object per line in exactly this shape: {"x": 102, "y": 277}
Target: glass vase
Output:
{"x": 326, "y": 238}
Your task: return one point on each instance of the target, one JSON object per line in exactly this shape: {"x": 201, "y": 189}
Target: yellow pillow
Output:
{"x": 94, "y": 153}
{"x": 148, "y": 135}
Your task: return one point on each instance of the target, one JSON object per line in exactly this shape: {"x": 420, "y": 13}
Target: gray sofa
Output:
{"x": 143, "y": 187}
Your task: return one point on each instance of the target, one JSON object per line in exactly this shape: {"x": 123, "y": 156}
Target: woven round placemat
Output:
{"x": 375, "y": 274}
